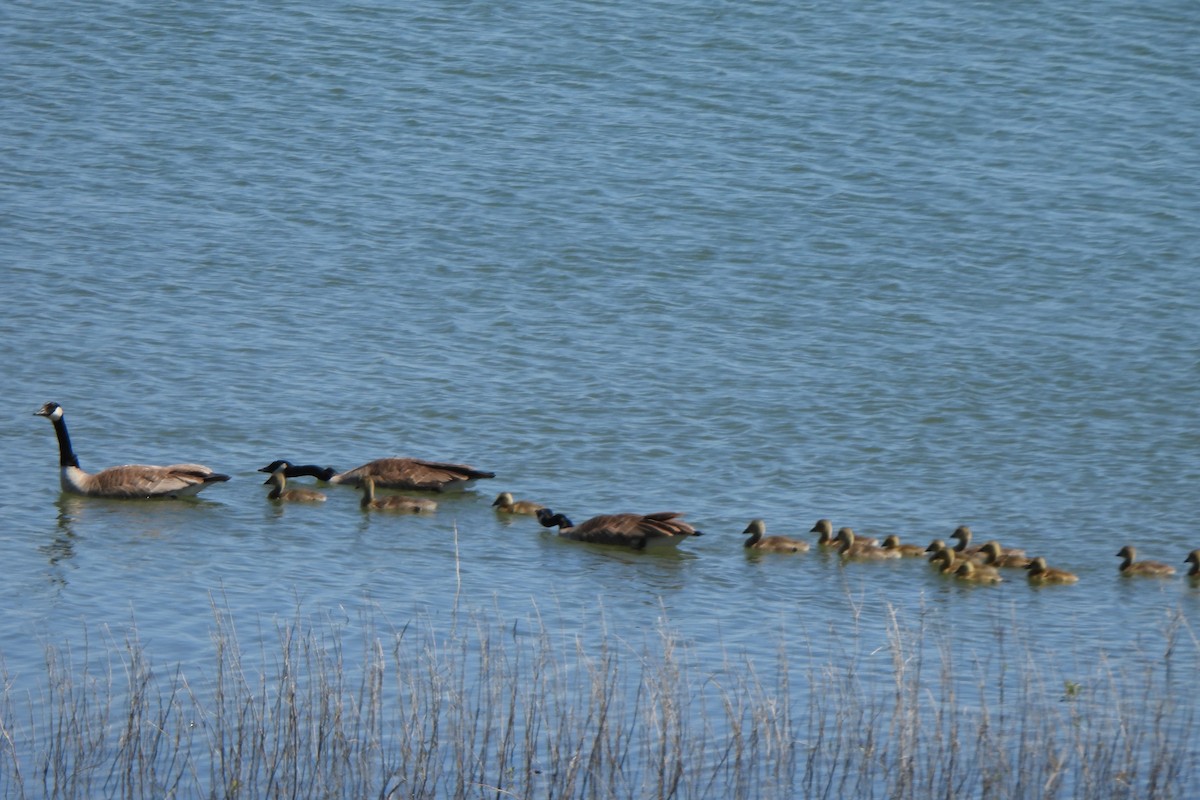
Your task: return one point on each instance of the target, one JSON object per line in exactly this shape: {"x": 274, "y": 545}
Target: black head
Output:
{"x": 51, "y": 410}
{"x": 275, "y": 465}
{"x": 549, "y": 519}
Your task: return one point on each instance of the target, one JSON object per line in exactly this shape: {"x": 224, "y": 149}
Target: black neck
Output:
{"x": 321, "y": 473}
{"x": 66, "y": 455}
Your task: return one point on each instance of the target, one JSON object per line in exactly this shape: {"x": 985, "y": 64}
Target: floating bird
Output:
{"x": 892, "y": 542}
{"x": 1193, "y": 558}
{"x": 859, "y": 550}
{"x": 945, "y": 561}
{"x": 772, "y": 544}
{"x": 396, "y": 502}
{"x": 504, "y": 503}
{"x": 391, "y": 473}
{"x": 279, "y": 491}
{"x": 827, "y": 539}
{"x": 994, "y": 556}
{"x": 1149, "y": 569}
{"x": 976, "y": 573}
{"x": 127, "y": 481}
{"x": 963, "y": 534}
{"x": 639, "y": 531}
{"x": 1040, "y": 573}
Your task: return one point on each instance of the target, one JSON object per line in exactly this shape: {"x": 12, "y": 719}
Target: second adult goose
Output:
{"x": 128, "y": 481}
{"x": 639, "y": 531}
{"x": 395, "y": 502}
{"x": 391, "y": 473}
{"x": 771, "y": 544}
{"x": 1150, "y": 569}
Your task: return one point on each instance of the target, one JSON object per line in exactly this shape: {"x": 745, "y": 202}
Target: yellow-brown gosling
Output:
{"x": 945, "y": 561}
{"x": 976, "y": 573}
{"x": 859, "y": 550}
{"x": 827, "y": 539}
{"x": 280, "y": 492}
{"x": 1150, "y": 569}
{"x": 505, "y": 503}
{"x": 994, "y": 556}
{"x": 771, "y": 544}
{"x": 656, "y": 531}
{"x": 892, "y": 542}
{"x": 1193, "y": 558}
{"x": 130, "y": 481}
{"x": 939, "y": 545}
{"x": 1040, "y": 573}
{"x": 391, "y": 473}
{"x": 963, "y": 534}
{"x": 396, "y": 502}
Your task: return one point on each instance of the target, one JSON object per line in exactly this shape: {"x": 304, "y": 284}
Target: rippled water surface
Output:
{"x": 904, "y": 267}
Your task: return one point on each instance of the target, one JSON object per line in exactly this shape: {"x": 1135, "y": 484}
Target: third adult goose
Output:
{"x": 127, "y": 481}
{"x": 639, "y": 531}
{"x": 391, "y": 473}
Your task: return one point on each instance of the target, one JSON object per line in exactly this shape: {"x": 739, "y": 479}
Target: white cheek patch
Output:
{"x": 56, "y": 414}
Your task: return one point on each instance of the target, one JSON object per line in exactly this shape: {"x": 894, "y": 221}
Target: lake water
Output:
{"x": 905, "y": 267}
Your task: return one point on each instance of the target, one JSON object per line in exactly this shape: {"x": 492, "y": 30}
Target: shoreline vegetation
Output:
{"x": 499, "y": 710}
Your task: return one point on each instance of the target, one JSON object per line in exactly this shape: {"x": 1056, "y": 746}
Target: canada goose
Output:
{"x": 976, "y": 573}
{"x": 639, "y": 531}
{"x": 945, "y": 561}
{"x": 504, "y": 503}
{"x": 892, "y": 542}
{"x": 827, "y": 539}
{"x": 396, "y": 502}
{"x": 772, "y": 544}
{"x": 129, "y": 480}
{"x": 1040, "y": 573}
{"x": 279, "y": 491}
{"x": 1150, "y": 569}
{"x": 939, "y": 545}
{"x": 1193, "y": 558}
{"x": 858, "y": 550}
{"x": 995, "y": 557}
{"x": 391, "y": 473}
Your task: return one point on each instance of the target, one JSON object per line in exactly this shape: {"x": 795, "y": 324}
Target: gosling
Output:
{"x": 1149, "y": 569}
{"x": 1040, "y": 573}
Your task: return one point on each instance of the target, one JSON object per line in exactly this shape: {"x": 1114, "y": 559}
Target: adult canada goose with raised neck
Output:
{"x": 281, "y": 493}
{"x": 505, "y": 503}
{"x": 640, "y": 531}
{"x": 1040, "y": 573}
{"x": 907, "y": 550}
{"x": 1150, "y": 569}
{"x": 128, "y": 481}
{"x": 850, "y": 547}
{"x": 994, "y": 556}
{"x": 976, "y": 573}
{"x": 391, "y": 473}
{"x": 771, "y": 544}
{"x": 395, "y": 502}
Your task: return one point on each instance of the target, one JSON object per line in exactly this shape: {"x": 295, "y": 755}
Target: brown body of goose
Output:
{"x": 976, "y": 573}
{"x": 280, "y": 492}
{"x": 396, "y": 502}
{"x": 893, "y": 542}
{"x": 129, "y": 481}
{"x": 1040, "y": 573}
{"x": 994, "y": 556}
{"x": 663, "y": 529}
{"x": 391, "y": 473}
{"x": 505, "y": 503}
{"x": 771, "y": 544}
{"x": 856, "y": 549}
{"x": 1150, "y": 569}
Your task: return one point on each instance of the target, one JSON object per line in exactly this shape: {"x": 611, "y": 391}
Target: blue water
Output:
{"x": 904, "y": 267}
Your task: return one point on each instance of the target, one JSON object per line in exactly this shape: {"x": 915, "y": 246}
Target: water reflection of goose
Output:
{"x": 128, "y": 481}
